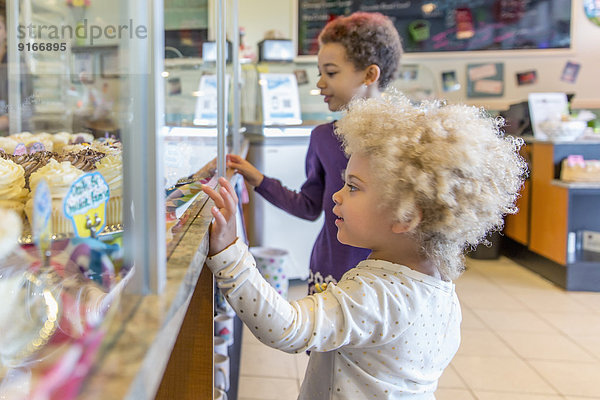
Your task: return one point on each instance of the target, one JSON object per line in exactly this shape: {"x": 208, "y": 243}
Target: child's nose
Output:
{"x": 337, "y": 198}
{"x": 321, "y": 82}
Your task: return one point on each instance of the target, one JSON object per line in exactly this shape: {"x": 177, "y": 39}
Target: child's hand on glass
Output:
{"x": 223, "y": 229}
{"x": 248, "y": 171}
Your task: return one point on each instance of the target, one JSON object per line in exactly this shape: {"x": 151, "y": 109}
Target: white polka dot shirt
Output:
{"x": 384, "y": 331}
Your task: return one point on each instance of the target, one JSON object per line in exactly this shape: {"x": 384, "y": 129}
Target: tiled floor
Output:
{"x": 522, "y": 339}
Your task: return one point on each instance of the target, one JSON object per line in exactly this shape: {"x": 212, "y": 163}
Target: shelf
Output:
{"x": 576, "y": 185}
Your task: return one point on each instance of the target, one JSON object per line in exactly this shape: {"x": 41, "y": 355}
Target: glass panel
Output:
{"x": 78, "y": 79}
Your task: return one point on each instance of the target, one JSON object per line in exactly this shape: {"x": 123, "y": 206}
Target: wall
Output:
{"x": 258, "y": 16}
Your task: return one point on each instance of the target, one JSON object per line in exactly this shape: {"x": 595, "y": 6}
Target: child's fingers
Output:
{"x": 225, "y": 183}
{"x": 234, "y": 158}
{"x": 216, "y": 197}
{"x": 219, "y": 217}
{"x": 230, "y": 202}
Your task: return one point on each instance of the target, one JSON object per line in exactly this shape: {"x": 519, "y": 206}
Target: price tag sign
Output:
{"x": 544, "y": 106}
{"x": 87, "y": 197}
{"x": 280, "y": 99}
{"x": 42, "y": 223}
{"x": 206, "y": 106}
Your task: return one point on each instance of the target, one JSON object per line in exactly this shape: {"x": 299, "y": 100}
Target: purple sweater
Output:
{"x": 325, "y": 161}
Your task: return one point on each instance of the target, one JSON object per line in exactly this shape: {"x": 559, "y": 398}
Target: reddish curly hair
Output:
{"x": 369, "y": 38}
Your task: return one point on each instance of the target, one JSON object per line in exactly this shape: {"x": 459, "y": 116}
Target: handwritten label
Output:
{"x": 42, "y": 223}
{"x": 87, "y": 197}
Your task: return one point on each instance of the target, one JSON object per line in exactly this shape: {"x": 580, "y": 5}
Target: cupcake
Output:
{"x": 12, "y": 186}
{"x": 107, "y": 147}
{"x": 43, "y": 138}
{"x": 82, "y": 137}
{"x": 111, "y": 168}
{"x": 74, "y": 148}
{"x": 60, "y": 140}
{"x": 10, "y": 230}
{"x": 33, "y": 162}
{"x": 85, "y": 159}
{"x": 8, "y": 144}
{"x": 60, "y": 177}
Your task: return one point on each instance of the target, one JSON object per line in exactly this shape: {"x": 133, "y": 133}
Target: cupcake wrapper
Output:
{"x": 114, "y": 211}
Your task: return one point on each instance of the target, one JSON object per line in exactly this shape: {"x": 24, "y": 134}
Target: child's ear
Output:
{"x": 407, "y": 226}
{"x": 373, "y": 72}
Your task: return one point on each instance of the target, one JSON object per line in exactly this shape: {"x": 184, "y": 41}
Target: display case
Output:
{"x": 88, "y": 313}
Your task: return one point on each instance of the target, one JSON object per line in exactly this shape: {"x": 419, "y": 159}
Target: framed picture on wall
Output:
{"x": 485, "y": 80}
{"x": 109, "y": 65}
{"x": 83, "y": 68}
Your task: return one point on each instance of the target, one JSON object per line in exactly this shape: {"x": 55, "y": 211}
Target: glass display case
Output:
{"x": 93, "y": 302}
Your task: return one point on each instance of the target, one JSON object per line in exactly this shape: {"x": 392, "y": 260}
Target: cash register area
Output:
{"x": 523, "y": 338}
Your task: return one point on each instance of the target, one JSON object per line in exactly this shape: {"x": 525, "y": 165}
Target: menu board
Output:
{"x": 451, "y": 25}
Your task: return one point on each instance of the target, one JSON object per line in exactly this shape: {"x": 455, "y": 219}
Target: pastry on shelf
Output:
{"x": 8, "y": 145}
{"x": 10, "y": 230}
{"x": 12, "y": 187}
{"x": 60, "y": 140}
{"x": 33, "y": 162}
{"x": 84, "y": 159}
{"x": 111, "y": 168}
{"x": 59, "y": 176}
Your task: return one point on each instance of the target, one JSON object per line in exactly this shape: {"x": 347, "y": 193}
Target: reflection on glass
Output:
{"x": 62, "y": 77}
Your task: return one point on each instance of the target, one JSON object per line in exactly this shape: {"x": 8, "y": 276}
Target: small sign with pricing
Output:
{"x": 87, "y": 197}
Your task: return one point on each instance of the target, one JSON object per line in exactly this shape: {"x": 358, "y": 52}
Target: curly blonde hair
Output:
{"x": 450, "y": 165}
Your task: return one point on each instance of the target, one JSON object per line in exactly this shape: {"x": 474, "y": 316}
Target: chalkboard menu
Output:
{"x": 451, "y": 25}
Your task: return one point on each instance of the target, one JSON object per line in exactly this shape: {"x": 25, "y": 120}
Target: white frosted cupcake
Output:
{"x": 111, "y": 168}
{"x": 85, "y": 136}
{"x": 59, "y": 177}
{"x": 60, "y": 140}
{"x": 10, "y": 231}
{"x": 8, "y": 144}
{"x": 22, "y": 137}
{"x": 44, "y": 138}
{"x": 73, "y": 148}
{"x": 12, "y": 186}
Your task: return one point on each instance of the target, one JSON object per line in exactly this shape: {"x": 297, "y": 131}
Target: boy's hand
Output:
{"x": 222, "y": 229}
{"x": 247, "y": 170}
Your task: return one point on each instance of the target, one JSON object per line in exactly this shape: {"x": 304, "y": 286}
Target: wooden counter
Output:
{"x": 549, "y": 209}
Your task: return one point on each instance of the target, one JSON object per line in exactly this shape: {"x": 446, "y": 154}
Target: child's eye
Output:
{"x": 351, "y": 188}
{"x": 331, "y": 74}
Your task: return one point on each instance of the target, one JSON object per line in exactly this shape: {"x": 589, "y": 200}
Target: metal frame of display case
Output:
{"x": 143, "y": 176}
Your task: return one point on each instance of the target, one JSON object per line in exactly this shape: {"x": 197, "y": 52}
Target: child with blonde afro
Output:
{"x": 422, "y": 185}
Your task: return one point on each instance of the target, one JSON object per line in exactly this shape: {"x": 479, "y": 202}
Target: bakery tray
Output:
{"x": 27, "y": 237}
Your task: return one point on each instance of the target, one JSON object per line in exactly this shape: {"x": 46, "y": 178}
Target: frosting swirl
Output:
{"x": 59, "y": 177}
{"x": 33, "y": 162}
{"x": 111, "y": 168}
{"x": 84, "y": 159}
{"x": 12, "y": 181}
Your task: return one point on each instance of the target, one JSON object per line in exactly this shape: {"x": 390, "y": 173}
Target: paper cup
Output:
{"x": 271, "y": 264}
{"x": 224, "y": 327}
{"x": 221, "y": 370}
{"x": 220, "y": 345}
{"x": 219, "y": 394}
